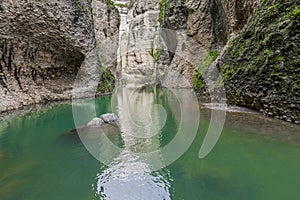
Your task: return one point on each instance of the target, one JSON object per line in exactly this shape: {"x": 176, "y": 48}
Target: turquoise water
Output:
{"x": 255, "y": 158}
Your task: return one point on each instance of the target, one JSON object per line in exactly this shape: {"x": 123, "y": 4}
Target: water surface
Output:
{"x": 255, "y": 158}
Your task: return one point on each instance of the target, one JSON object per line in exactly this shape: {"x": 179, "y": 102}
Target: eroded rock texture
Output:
{"x": 198, "y": 27}
{"x": 261, "y": 65}
{"x": 211, "y": 22}
{"x": 137, "y": 37}
{"x": 42, "y": 45}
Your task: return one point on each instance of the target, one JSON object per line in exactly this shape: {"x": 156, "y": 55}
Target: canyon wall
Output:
{"x": 261, "y": 64}
{"x": 137, "y": 37}
{"x": 179, "y": 33}
{"x": 43, "y": 43}
{"x": 211, "y": 22}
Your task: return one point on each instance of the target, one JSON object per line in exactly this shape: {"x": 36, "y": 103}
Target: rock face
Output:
{"x": 261, "y": 65}
{"x": 137, "y": 38}
{"x": 208, "y": 24}
{"x": 212, "y": 22}
{"x": 42, "y": 46}
{"x": 199, "y": 26}
{"x": 106, "y": 25}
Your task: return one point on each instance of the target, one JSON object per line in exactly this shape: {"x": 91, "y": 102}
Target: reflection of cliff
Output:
{"x": 132, "y": 180}
{"x": 157, "y": 127}
{"x": 129, "y": 176}
{"x": 139, "y": 117}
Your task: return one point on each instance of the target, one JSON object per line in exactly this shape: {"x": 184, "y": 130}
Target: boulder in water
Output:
{"x": 109, "y": 118}
{"x": 104, "y": 121}
{"x": 96, "y": 122}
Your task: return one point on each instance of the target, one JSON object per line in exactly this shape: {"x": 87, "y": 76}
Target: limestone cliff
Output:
{"x": 199, "y": 26}
{"x": 137, "y": 37}
{"x": 211, "y": 22}
{"x": 261, "y": 65}
{"x": 43, "y": 43}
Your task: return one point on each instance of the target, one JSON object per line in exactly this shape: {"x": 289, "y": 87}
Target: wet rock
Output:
{"x": 108, "y": 121}
{"x": 270, "y": 114}
{"x": 109, "y": 118}
{"x": 105, "y": 119}
{"x": 96, "y": 122}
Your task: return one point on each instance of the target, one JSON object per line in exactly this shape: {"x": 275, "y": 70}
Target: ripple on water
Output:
{"x": 130, "y": 178}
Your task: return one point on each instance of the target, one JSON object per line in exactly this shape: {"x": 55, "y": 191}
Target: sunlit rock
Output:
{"x": 96, "y": 122}
{"x": 109, "y": 118}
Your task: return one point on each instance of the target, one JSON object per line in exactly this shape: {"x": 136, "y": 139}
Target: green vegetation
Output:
{"x": 198, "y": 82}
{"x": 107, "y": 81}
{"x": 110, "y": 3}
{"x": 262, "y": 62}
{"x": 208, "y": 59}
{"x": 79, "y": 6}
{"x": 265, "y": 54}
{"x": 121, "y": 5}
{"x": 164, "y": 6}
{"x": 295, "y": 12}
{"x": 213, "y": 54}
{"x": 155, "y": 54}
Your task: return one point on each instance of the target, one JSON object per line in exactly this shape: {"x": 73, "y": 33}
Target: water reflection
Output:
{"x": 141, "y": 121}
{"x": 129, "y": 178}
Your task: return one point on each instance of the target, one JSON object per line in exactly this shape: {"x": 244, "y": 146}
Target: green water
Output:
{"x": 255, "y": 158}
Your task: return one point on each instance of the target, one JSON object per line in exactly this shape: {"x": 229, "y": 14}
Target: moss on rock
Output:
{"x": 262, "y": 62}
{"x": 107, "y": 81}
{"x": 198, "y": 81}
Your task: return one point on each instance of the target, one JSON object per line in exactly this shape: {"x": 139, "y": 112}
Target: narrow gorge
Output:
{"x": 169, "y": 43}
{"x": 149, "y": 99}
